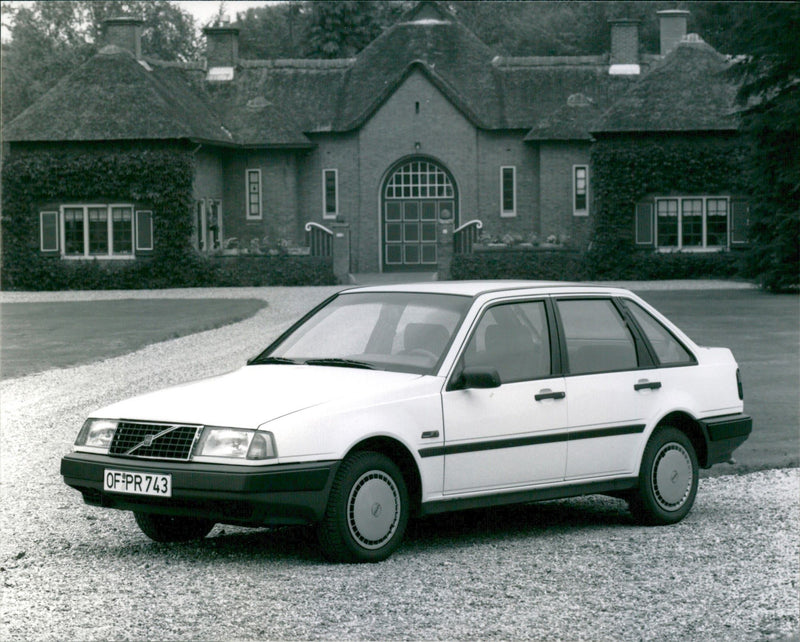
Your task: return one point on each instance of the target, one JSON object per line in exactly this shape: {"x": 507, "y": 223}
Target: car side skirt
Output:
{"x": 529, "y": 495}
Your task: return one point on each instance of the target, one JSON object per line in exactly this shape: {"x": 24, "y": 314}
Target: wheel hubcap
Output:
{"x": 672, "y": 476}
{"x": 373, "y": 509}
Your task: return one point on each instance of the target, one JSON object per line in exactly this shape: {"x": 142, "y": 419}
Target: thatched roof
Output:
{"x": 688, "y": 90}
{"x": 278, "y": 103}
{"x": 114, "y": 97}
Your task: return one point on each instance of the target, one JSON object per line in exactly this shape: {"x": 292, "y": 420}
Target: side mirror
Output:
{"x": 479, "y": 377}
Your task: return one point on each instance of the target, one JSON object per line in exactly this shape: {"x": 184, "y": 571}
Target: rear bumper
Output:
{"x": 229, "y": 494}
{"x": 724, "y": 435}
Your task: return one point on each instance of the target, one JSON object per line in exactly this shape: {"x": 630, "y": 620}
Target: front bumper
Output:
{"x": 724, "y": 435}
{"x": 228, "y": 494}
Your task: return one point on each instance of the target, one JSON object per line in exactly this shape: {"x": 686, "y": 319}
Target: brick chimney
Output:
{"x": 222, "y": 46}
{"x": 624, "y": 46}
{"x": 124, "y": 32}
{"x": 672, "y": 27}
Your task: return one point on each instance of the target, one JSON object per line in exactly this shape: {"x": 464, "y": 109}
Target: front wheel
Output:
{"x": 667, "y": 478}
{"x": 367, "y": 510}
{"x": 166, "y": 528}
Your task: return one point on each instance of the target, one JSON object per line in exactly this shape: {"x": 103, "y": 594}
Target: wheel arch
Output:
{"x": 693, "y": 429}
{"x": 400, "y": 455}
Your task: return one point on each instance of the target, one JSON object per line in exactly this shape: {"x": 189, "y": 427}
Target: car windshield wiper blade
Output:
{"x": 344, "y": 363}
{"x": 258, "y": 361}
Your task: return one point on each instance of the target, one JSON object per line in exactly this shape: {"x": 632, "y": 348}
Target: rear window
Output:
{"x": 668, "y": 349}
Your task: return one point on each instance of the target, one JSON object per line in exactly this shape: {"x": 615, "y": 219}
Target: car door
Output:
{"x": 603, "y": 387}
{"x": 512, "y": 434}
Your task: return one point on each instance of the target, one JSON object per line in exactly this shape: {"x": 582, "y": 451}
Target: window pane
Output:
{"x": 508, "y": 189}
{"x": 122, "y": 219}
{"x": 581, "y": 199}
{"x": 73, "y": 230}
{"x": 667, "y": 347}
{"x": 513, "y": 339}
{"x": 330, "y": 191}
{"x": 597, "y": 338}
{"x": 98, "y": 230}
{"x": 692, "y": 221}
{"x": 717, "y": 222}
{"x": 667, "y": 214}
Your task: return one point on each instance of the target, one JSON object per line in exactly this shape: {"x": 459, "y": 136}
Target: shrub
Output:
{"x": 568, "y": 265}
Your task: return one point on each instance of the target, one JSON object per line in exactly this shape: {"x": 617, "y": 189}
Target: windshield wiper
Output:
{"x": 258, "y": 361}
{"x": 344, "y": 363}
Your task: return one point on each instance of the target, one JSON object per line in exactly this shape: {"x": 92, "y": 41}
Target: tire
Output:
{"x": 166, "y": 528}
{"x": 367, "y": 510}
{"x": 667, "y": 478}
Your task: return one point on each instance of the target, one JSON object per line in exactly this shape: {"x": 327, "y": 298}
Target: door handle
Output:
{"x": 549, "y": 394}
{"x": 647, "y": 385}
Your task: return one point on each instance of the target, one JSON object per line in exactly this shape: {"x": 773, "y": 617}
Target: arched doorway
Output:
{"x": 416, "y": 194}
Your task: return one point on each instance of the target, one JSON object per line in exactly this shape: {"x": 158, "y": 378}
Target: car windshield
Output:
{"x": 397, "y": 331}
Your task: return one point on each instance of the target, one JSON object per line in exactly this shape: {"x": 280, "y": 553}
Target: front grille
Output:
{"x": 155, "y": 441}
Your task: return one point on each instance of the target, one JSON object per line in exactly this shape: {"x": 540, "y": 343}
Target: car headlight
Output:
{"x": 235, "y": 443}
{"x": 97, "y": 433}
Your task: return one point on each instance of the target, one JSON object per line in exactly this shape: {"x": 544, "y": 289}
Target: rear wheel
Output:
{"x": 667, "y": 478}
{"x": 367, "y": 510}
{"x": 167, "y": 528}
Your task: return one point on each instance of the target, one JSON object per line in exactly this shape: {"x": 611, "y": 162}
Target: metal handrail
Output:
{"x": 476, "y": 222}
{"x": 312, "y": 224}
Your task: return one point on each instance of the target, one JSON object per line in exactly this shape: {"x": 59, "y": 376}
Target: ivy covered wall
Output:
{"x": 160, "y": 179}
{"x": 628, "y": 169}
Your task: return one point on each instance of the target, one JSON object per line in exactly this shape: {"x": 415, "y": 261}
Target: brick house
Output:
{"x": 425, "y": 126}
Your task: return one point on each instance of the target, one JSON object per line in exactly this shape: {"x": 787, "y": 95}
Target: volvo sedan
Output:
{"x": 385, "y": 403}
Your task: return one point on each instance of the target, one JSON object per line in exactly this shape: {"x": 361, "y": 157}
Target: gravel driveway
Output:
{"x": 572, "y": 569}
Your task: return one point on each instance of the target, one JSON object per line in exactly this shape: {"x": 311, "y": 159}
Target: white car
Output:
{"x": 389, "y": 402}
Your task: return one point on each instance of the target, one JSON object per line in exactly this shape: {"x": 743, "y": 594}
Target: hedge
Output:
{"x": 568, "y": 265}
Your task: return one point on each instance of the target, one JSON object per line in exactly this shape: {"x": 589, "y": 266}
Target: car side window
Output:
{"x": 514, "y": 339}
{"x": 598, "y": 340}
{"x": 668, "y": 349}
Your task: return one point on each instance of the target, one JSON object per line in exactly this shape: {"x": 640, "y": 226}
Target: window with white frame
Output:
{"x": 96, "y": 231}
{"x": 330, "y": 193}
{"x": 693, "y": 222}
{"x": 580, "y": 190}
{"x": 508, "y": 191}
{"x": 254, "y": 199}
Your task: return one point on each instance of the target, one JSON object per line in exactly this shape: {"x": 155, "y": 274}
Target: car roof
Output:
{"x": 477, "y": 288}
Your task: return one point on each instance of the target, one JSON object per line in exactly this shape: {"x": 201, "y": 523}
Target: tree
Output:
{"x": 274, "y": 31}
{"x": 340, "y": 29}
{"x": 50, "y": 39}
{"x": 769, "y": 71}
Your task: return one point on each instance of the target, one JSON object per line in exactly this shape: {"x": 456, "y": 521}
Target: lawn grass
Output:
{"x": 39, "y": 336}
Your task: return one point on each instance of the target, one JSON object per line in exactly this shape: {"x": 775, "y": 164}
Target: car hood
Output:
{"x": 253, "y": 395}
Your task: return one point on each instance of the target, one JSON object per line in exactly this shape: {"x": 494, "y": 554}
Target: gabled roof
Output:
{"x": 688, "y": 90}
{"x": 114, "y": 97}
{"x": 430, "y": 39}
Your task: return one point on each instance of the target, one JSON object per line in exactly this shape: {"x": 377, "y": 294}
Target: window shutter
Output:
{"x": 144, "y": 230}
{"x": 48, "y": 237}
{"x": 740, "y": 221}
{"x": 644, "y": 224}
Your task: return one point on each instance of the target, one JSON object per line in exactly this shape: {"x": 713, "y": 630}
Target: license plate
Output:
{"x": 126, "y": 481}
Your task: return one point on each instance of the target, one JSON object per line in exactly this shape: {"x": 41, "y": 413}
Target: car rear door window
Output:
{"x": 596, "y": 335}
